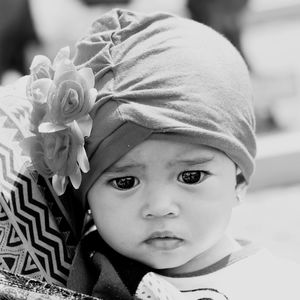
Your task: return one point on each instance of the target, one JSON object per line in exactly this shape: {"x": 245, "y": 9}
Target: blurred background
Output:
{"x": 266, "y": 32}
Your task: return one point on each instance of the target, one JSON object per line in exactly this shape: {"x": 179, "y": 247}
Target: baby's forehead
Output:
{"x": 171, "y": 153}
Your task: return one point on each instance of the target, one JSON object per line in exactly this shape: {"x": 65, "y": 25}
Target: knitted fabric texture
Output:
{"x": 162, "y": 75}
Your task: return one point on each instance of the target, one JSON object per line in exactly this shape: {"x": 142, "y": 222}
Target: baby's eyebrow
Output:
{"x": 124, "y": 168}
{"x": 198, "y": 160}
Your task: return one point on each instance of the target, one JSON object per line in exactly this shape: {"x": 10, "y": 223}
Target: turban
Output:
{"x": 163, "y": 76}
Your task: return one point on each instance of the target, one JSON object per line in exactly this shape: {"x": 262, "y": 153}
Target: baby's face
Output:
{"x": 165, "y": 203}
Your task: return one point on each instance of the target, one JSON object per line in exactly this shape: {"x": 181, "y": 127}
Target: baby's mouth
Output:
{"x": 164, "y": 240}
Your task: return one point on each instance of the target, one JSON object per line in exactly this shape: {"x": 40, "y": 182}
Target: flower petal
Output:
{"x": 59, "y": 184}
{"x": 88, "y": 75}
{"x": 77, "y": 132}
{"x": 39, "y": 60}
{"x": 85, "y": 124}
{"x": 40, "y": 89}
{"x": 76, "y": 178}
{"x": 83, "y": 160}
{"x": 63, "y": 54}
{"x": 26, "y": 145}
{"x": 47, "y": 127}
{"x": 93, "y": 95}
{"x": 64, "y": 67}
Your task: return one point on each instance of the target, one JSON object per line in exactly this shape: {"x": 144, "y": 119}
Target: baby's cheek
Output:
{"x": 111, "y": 230}
{"x": 119, "y": 241}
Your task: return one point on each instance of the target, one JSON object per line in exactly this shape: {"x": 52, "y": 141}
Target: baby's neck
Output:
{"x": 225, "y": 246}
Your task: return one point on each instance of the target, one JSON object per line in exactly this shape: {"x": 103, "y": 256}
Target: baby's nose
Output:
{"x": 159, "y": 205}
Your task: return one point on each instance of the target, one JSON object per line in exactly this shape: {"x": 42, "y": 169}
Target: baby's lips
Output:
{"x": 166, "y": 234}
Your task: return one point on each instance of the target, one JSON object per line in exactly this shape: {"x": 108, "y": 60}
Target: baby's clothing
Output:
{"x": 250, "y": 273}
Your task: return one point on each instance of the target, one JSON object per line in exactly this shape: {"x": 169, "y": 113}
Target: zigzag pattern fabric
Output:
{"x": 36, "y": 237}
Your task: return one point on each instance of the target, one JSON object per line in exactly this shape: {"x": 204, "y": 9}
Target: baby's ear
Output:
{"x": 241, "y": 186}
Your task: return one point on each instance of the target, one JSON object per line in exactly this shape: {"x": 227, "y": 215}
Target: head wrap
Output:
{"x": 163, "y": 75}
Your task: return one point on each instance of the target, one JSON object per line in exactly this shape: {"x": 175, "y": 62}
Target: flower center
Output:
{"x": 71, "y": 101}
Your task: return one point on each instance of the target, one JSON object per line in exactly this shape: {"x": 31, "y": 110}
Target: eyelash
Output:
{"x": 197, "y": 177}
{"x": 114, "y": 182}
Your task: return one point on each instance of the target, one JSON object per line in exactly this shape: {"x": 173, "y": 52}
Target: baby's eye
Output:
{"x": 124, "y": 183}
{"x": 192, "y": 177}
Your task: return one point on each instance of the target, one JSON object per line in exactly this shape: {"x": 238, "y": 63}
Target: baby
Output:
{"x": 171, "y": 152}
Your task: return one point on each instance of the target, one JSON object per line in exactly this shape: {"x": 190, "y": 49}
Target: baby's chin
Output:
{"x": 165, "y": 266}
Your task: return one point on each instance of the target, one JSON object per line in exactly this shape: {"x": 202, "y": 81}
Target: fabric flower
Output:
{"x": 72, "y": 94}
{"x": 34, "y": 147}
{"x": 60, "y": 151}
{"x": 61, "y": 98}
{"x": 38, "y": 93}
{"x": 41, "y": 67}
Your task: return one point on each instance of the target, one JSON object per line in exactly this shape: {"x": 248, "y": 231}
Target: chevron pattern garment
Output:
{"x": 36, "y": 237}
